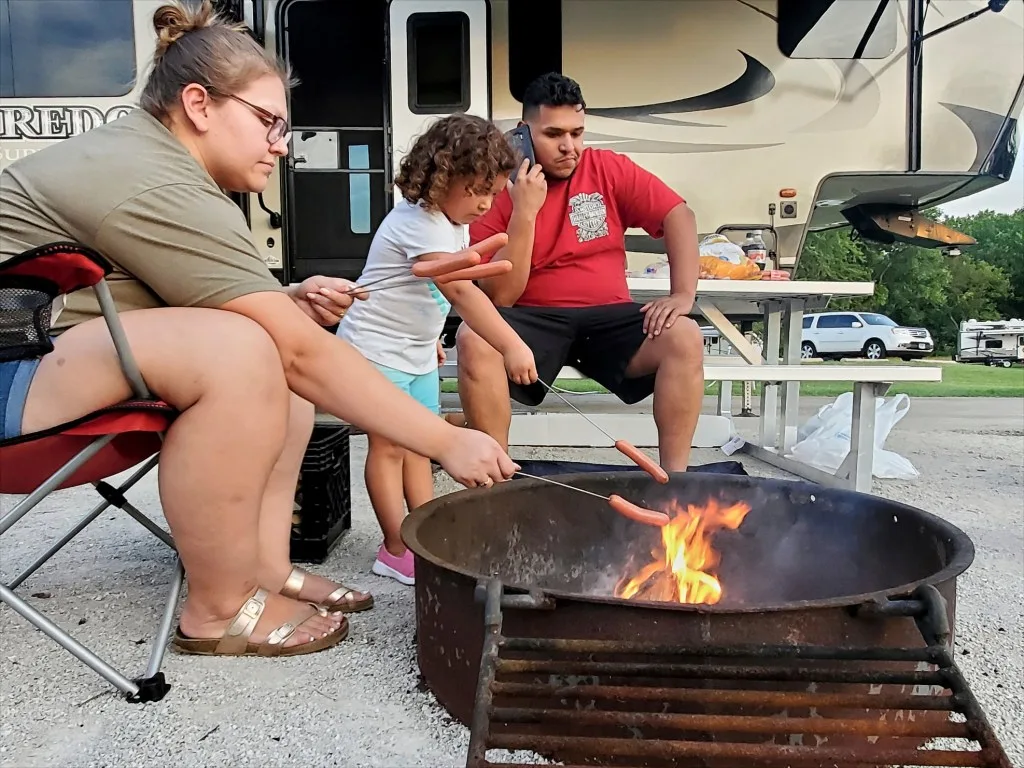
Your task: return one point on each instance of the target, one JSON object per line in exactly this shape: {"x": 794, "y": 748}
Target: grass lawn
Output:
{"x": 958, "y": 380}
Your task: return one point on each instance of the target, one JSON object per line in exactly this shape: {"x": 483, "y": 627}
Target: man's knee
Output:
{"x": 475, "y": 356}
{"x": 686, "y": 341}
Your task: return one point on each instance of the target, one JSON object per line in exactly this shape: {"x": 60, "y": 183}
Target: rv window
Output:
{"x": 438, "y": 62}
{"x": 66, "y": 48}
{"x": 533, "y": 49}
{"x": 837, "y": 29}
{"x": 993, "y": 343}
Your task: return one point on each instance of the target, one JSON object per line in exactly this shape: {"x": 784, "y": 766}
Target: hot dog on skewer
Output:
{"x": 642, "y": 460}
{"x": 438, "y": 267}
{"x": 478, "y": 272}
{"x": 637, "y": 513}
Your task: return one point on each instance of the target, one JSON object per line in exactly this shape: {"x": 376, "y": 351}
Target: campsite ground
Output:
{"x": 359, "y": 704}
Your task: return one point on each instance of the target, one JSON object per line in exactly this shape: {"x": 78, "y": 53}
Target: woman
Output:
{"x": 215, "y": 335}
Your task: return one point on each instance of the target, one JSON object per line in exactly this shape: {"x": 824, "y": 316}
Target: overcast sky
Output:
{"x": 1006, "y": 198}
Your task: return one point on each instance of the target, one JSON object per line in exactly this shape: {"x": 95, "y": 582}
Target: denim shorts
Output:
{"x": 15, "y": 378}
{"x": 425, "y": 388}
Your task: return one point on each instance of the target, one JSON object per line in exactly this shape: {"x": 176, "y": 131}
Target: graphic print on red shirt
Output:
{"x": 579, "y": 250}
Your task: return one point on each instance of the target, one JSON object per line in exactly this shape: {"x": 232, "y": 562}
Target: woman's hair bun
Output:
{"x": 173, "y": 21}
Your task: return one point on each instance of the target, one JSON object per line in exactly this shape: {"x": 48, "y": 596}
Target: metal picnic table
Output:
{"x": 781, "y": 305}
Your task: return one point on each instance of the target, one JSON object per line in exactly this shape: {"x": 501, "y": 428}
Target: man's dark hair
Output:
{"x": 552, "y": 90}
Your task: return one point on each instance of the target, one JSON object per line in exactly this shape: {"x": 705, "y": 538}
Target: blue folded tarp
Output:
{"x": 544, "y": 468}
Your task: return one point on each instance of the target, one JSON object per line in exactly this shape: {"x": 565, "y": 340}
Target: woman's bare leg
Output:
{"x": 223, "y": 374}
{"x": 276, "y": 509}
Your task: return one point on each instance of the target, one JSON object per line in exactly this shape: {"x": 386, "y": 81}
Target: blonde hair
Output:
{"x": 197, "y": 45}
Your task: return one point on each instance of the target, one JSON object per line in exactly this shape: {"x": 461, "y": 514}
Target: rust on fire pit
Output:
{"x": 809, "y": 651}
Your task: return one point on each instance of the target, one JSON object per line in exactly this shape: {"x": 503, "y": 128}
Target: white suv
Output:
{"x": 861, "y": 334}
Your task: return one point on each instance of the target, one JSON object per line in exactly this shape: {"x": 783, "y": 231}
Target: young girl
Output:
{"x": 448, "y": 179}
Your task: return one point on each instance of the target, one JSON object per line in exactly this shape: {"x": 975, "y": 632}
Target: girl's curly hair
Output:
{"x": 458, "y": 147}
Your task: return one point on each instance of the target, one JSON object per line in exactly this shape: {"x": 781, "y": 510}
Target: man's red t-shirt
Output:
{"x": 579, "y": 252}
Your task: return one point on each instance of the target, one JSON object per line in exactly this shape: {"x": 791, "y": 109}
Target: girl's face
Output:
{"x": 464, "y": 204}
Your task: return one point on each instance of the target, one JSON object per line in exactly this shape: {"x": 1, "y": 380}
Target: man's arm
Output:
{"x": 680, "y": 227}
{"x": 527, "y": 195}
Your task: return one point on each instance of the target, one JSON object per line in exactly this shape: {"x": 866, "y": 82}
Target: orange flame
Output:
{"x": 682, "y": 568}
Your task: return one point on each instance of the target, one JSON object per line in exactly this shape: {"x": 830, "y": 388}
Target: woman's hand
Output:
{"x": 473, "y": 458}
{"x": 325, "y": 299}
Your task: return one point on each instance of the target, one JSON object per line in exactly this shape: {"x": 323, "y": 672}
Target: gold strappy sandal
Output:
{"x": 235, "y": 641}
{"x": 342, "y": 599}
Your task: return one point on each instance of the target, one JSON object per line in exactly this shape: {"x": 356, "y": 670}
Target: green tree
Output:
{"x": 1000, "y": 239}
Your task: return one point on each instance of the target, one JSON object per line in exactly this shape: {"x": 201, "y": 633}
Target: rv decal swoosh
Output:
{"x": 755, "y": 82}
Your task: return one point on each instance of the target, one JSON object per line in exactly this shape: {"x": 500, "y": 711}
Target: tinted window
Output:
{"x": 837, "y": 29}
{"x": 66, "y": 48}
{"x": 836, "y": 321}
{"x": 438, "y": 62}
{"x": 533, "y": 49}
{"x": 874, "y": 319}
{"x": 808, "y": 321}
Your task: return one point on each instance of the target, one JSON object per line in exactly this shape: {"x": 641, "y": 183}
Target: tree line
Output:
{"x": 923, "y": 287}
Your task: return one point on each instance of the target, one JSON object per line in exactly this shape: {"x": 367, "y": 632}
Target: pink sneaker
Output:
{"x": 398, "y": 568}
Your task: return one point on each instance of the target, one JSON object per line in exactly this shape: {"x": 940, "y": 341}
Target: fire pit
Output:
{"x": 772, "y": 623}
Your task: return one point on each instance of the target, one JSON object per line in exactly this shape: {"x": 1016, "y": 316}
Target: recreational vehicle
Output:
{"x": 998, "y": 342}
{"x": 784, "y": 116}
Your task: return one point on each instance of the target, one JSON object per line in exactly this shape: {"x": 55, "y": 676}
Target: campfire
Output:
{"x": 682, "y": 569}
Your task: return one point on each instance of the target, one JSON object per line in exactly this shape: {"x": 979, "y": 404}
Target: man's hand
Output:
{"x": 661, "y": 313}
{"x": 441, "y": 354}
{"x": 529, "y": 190}
{"x": 520, "y": 365}
{"x": 324, "y": 299}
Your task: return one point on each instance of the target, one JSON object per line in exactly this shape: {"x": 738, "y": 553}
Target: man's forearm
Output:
{"x": 506, "y": 289}
{"x": 683, "y": 251}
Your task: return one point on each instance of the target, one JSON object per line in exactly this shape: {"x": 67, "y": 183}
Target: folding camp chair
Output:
{"x": 87, "y": 450}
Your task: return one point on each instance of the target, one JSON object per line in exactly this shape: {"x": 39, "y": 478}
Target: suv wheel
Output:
{"x": 874, "y": 350}
{"x": 807, "y": 351}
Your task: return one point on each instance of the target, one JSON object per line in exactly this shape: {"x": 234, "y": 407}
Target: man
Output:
{"x": 566, "y": 294}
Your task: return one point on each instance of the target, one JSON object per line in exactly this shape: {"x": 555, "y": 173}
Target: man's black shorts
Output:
{"x": 599, "y": 342}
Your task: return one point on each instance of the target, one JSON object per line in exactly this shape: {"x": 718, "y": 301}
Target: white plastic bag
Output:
{"x": 823, "y": 441}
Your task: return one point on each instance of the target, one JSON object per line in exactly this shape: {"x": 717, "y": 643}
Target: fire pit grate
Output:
{"x": 653, "y": 705}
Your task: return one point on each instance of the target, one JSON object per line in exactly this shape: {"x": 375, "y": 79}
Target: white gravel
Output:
{"x": 359, "y": 704}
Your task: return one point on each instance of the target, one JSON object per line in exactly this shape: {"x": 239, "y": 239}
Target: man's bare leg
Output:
{"x": 677, "y": 359}
{"x": 483, "y": 386}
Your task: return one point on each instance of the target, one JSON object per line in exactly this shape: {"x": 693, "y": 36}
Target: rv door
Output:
{"x": 438, "y": 65}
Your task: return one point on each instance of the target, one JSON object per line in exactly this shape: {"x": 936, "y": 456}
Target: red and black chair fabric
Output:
{"x": 89, "y": 450}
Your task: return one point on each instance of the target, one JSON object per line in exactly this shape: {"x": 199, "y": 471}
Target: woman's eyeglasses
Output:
{"x": 279, "y": 128}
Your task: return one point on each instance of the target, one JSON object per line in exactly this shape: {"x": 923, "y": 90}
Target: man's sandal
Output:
{"x": 342, "y": 599}
{"x": 235, "y": 641}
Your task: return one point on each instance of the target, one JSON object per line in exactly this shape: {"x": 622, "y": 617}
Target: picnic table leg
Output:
{"x": 792, "y": 338}
{"x": 858, "y": 466}
{"x": 768, "y": 436}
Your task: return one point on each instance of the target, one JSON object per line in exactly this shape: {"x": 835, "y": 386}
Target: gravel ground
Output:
{"x": 359, "y": 704}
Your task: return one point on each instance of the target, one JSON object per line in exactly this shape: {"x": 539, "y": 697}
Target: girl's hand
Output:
{"x": 520, "y": 365}
{"x": 442, "y": 356}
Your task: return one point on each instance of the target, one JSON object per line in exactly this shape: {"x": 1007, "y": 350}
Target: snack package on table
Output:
{"x": 722, "y": 259}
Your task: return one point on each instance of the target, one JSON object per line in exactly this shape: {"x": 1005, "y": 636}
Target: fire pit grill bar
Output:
{"x": 530, "y": 702}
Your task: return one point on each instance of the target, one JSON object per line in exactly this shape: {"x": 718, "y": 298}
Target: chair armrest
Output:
{"x": 57, "y": 268}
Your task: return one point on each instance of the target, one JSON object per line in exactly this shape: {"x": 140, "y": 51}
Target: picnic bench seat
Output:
{"x": 869, "y": 381}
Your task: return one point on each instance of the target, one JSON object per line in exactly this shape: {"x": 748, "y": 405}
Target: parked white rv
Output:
{"x": 779, "y": 115}
{"x": 997, "y": 342}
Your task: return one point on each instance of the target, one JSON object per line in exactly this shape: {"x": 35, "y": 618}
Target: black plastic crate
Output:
{"x": 323, "y": 497}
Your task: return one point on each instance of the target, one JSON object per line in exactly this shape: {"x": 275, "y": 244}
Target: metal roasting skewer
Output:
{"x": 563, "y": 485}
{"x": 565, "y": 400}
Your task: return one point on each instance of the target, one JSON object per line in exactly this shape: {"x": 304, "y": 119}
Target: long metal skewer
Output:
{"x": 563, "y": 485}
{"x": 565, "y": 400}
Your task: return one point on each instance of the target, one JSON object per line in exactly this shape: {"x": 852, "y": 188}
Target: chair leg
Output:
{"x": 153, "y": 682}
{"x": 53, "y": 481}
{"x": 113, "y": 497}
{"x": 79, "y": 651}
